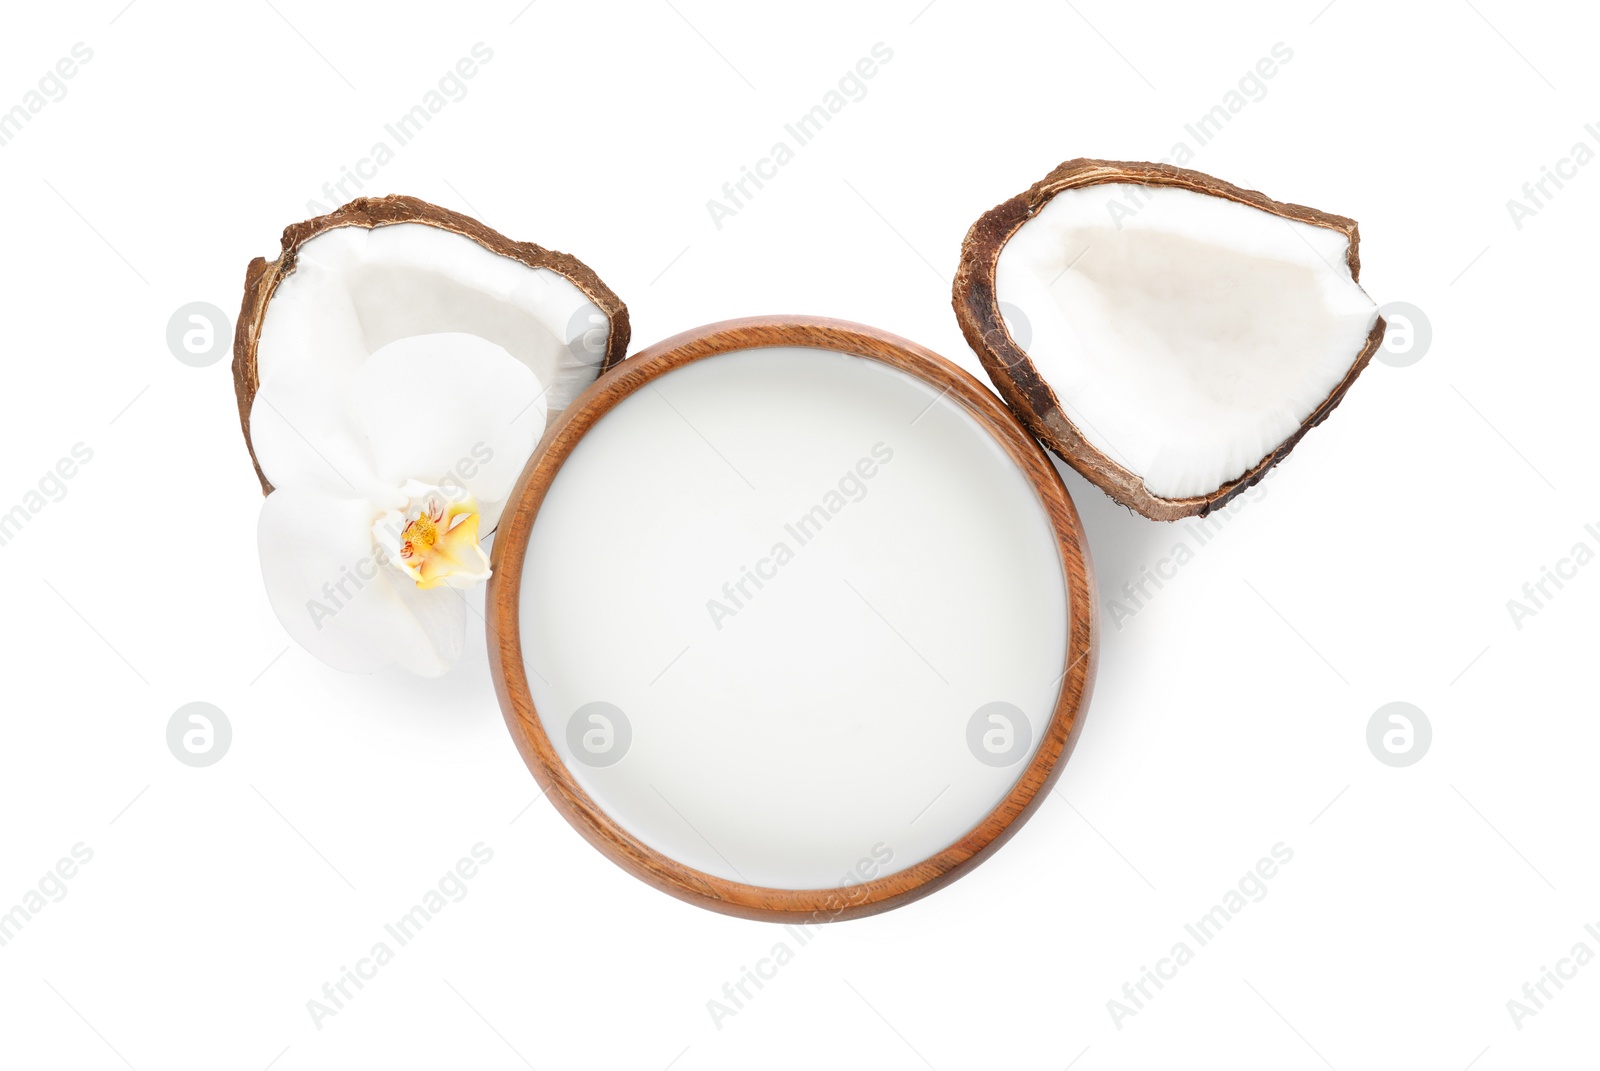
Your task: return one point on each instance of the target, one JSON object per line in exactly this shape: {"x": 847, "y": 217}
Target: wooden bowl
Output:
{"x": 600, "y": 596}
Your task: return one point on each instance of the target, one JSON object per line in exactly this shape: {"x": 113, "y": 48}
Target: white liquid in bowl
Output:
{"x": 765, "y": 599}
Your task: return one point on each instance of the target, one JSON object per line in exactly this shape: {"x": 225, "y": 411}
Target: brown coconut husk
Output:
{"x": 263, "y": 276}
{"x": 1025, "y": 390}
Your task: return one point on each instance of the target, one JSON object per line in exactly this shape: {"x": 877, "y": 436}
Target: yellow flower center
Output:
{"x": 439, "y": 545}
{"x": 420, "y": 532}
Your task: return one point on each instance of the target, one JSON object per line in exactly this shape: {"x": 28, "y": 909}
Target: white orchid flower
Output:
{"x": 384, "y": 482}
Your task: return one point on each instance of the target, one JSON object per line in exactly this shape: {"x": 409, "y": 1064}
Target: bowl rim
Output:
{"x": 661, "y": 871}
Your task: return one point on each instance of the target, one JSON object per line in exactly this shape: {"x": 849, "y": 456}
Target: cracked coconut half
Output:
{"x": 1169, "y": 335}
{"x": 395, "y": 368}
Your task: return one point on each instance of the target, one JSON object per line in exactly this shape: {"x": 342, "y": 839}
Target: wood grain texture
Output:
{"x": 662, "y": 872}
{"x": 263, "y": 276}
{"x": 1032, "y": 399}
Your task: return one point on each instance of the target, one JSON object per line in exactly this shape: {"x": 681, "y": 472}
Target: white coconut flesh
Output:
{"x": 355, "y": 291}
{"x": 1185, "y": 340}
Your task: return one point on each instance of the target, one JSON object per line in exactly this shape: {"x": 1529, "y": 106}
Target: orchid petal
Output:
{"x": 339, "y": 596}
{"x": 305, "y": 435}
{"x": 450, "y": 409}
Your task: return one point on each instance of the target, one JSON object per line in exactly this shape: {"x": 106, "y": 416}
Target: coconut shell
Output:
{"x": 1025, "y": 390}
{"x": 263, "y": 276}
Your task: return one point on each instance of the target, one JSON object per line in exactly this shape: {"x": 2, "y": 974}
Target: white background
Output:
{"x": 1230, "y": 713}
